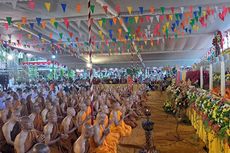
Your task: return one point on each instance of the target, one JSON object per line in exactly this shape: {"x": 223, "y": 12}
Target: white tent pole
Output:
{"x": 210, "y": 77}
{"x": 222, "y": 84}
{"x": 201, "y": 77}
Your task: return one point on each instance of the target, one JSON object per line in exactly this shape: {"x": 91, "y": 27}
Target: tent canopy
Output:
{"x": 147, "y": 50}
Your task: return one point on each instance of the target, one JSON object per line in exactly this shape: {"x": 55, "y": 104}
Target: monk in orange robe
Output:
{"x": 28, "y": 136}
{"x": 118, "y": 125}
{"x": 37, "y": 117}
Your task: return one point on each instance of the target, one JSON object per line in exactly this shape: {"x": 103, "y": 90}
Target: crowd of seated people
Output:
{"x": 59, "y": 117}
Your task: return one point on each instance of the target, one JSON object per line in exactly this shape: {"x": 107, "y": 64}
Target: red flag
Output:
{"x": 70, "y": 34}
{"x": 105, "y": 7}
{"x": 173, "y": 10}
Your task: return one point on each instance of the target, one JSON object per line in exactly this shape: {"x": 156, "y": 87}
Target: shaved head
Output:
{"x": 41, "y": 148}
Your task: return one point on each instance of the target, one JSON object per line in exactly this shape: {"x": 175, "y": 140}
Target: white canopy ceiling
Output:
{"x": 184, "y": 50}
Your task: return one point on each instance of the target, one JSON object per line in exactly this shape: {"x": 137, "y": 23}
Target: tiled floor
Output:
{"x": 164, "y": 132}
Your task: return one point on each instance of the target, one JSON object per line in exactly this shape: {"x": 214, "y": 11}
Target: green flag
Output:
{"x": 92, "y": 7}
{"x": 9, "y": 20}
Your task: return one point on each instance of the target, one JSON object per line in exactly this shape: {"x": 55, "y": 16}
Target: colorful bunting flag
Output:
{"x": 63, "y": 5}
{"x": 23, "y": 20}
{"x": 151, "y": 9}
{"x": 105, "y": 7}
{"x": 38, "y": 21}
{"x": 51, "y": 35}
{"x": 162, "y": 10}
{"x": 100, "y": 22}
{"x": 70, "y": 34}
{"x": 52, "y": 20}
{"x": 141, "y": 9}
{"x": 92, "y": 7}
{"x": 47, "y": 6}
{"x": 9, "y": 20}
{"x": 31, "y": 4}
{"x": 61, "y": 35}
{"x": 32, "y": 26}
{"x": 136, "y": 18}
{"x": 78, "y": 8}
{"x": 56, "y": 24}
{"x": 43, "y": 24}
{"x": 118, "y": 9}
{"x": 130, "y": 9}
{"x": 114, "y": 20}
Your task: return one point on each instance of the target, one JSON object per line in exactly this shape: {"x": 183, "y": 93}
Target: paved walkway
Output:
{"x": 164, "y": 137}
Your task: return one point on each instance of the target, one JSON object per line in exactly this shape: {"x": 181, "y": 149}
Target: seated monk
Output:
{"x": 36, "y": 117}
{"x": 82, "y": 143}
{"x": 11, "y": 129}
{"x": 118, "y": 125}
{"x": 103, "y": 140}
{"x": 68, "y": 127}
{"x": 128, "y": 111}
{"x": 82, "y": 117}
{"x": 28, "y": 136}
{"x": 52, "y": 133}
{"x": 41, "y": 148}
{"x": 45, "y": 111}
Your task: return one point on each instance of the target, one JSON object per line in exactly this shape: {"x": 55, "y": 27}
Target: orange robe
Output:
{"x": 123, "y": 129}
{"x": 83, "y": 118}
{"x": 108, "y": 146}
{"x": 30, "y": 140}
{"x": 38, "y": 123}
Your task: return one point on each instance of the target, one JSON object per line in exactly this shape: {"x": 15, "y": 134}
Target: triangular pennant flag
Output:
{"x": 121, "y": 21}
{"x": 40, "y": 36}
{"x": 130, "y": 9}
{"x": 163, "y": 10}
{"x": 66, "y": 22}
{"x": 51, "y": 35}
{"x": 19, "y": 26}
{"x": 104, "y": 20}
{"x": 126, "y": 19}
{"x": 115, "y": 20}
{"x": 100, "y": 22}
{"x": 31, "y": 4}
{"x": 9, "y": 20}
{"x": 39, "y": 21}
{"x": 191, "y": 9}
{"x": 136, "y": 18}
{"x": 151, "y": 9}
{"x": 43, "y": 24}
{"x": 56, "y": 25}
{"x": 70, "y": 34}
{"x": 63, "y": 5}
{"x": 78, "y": 8}
{"x": 171, "y": 17}
{"x": 182, "y": 9}
{"x": 147, "y": 18}
{"x": 111, "y": 22}
{"x": 141, "y": 9}
{"x": 161, "y": 18}
{"x": 52, "y": 20}
{"x": 118, "y": 9}
{"x": 131, "y": 20}
{"x": 158, "y": 18}
{"x": 24, "y": 20}
{"x": 105, "y": 7}
{"x": 61, "y": 35}
{"x": 172, "y": 10}
{"x": 92, "y": 7}
{"x": 151, "y": 19}
{"x": 47, "y": 6}
{"x": 32, "y": 26}
{"x": 119, "y": 31}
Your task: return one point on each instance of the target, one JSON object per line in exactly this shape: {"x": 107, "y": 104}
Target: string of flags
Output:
{"x": 178, "y": 22}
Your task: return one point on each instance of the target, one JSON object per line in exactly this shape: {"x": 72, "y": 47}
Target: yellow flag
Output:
{"x": 167, "y": 24}
{"x": 52, "y": 20}
{"x": 145, "y": 42}
{"x": 100, "y": 23}
{"x": 204, "y": 13}
{"x": 130, "y": 9}
{"x": 136, "y": 18}
{"x": 171, "y": 17}
{"x": 100, "y": 33}
{"x": 19, "y": 26}
{"x": 43, "y": 40}
{"x": 47, "y": 6}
